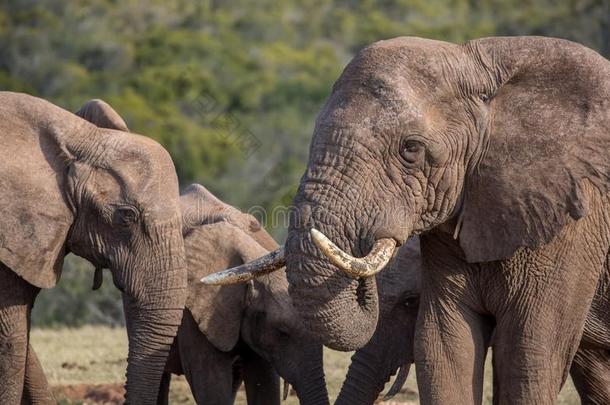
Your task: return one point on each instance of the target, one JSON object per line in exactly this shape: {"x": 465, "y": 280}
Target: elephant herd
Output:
{"x": 456, "y": 200}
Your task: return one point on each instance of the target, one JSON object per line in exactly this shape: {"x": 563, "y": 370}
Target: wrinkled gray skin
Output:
{"x": 245, "y": 331}
{"x": 591, "y": 366}
{"x": 496, "y": 152}
{"x": 109, "y": 196}
{"x": 392, "y": 344}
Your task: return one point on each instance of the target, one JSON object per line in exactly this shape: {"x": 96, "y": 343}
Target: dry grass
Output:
{"x": 97, "y": 355}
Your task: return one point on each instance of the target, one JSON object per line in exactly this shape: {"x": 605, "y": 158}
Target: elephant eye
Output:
{"x": 412, "y": 302}
{"x": 126, "y": 215}
{"x": 410, "y": 149}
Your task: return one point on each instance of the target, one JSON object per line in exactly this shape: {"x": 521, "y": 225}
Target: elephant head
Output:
{"x": 256, "y": 311}
{"x": 391, "y": 349}
{"x": 108, "y": 196}
{"x": 419, "y": 135}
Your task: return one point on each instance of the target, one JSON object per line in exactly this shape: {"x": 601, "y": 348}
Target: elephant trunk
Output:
{"x": 340, "y": 311}
{"x": 312, "y": 389}
{"x": 153, "y": 312}
{"x": 389, "y": 350}
{"x": 365, "y": 379}
{"x": 151, "y": 332}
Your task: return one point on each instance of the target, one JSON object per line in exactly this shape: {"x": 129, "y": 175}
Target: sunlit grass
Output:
{"x": 97, "y": 355}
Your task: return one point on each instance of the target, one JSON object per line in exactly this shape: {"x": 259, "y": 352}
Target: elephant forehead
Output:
{"x": 404, "y": 64}
{"x": 357, "y": 109}
{"x": 142, "y": 168}
{"x": 386, "y": 87}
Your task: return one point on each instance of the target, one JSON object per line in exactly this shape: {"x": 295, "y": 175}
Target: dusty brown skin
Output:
{"x": 246, "y": 331}
{"x": 392, "y": 345}
{"x": 591, "y": 366}
{"x": 106, "y": 195}
{"x": 496, "y": 151}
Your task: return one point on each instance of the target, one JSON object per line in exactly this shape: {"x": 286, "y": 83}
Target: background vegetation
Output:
{"x": 232, "y": 87}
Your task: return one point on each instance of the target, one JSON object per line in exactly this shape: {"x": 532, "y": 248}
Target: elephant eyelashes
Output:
{"x": 410, "y": 150}
{"x": 125, "y": 216}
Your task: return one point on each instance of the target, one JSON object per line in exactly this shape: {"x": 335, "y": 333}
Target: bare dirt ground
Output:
{"x": 111, "y": 394}
{"x": 86, "y": 366}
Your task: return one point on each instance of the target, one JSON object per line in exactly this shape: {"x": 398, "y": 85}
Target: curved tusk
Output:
{"x": 286, "y": 390}
{"x": 248, "y": 271}
{"x": 98, "y": 278}
{"x": 358, "y": 267}
{"x": 399, "y": 382}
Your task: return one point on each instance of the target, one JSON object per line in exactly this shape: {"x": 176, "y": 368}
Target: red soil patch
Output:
{"x": 107, "y": 394}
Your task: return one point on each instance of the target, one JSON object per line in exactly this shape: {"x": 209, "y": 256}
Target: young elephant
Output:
{"x": 246, "y": 330}
{"x": 390, "y": 350}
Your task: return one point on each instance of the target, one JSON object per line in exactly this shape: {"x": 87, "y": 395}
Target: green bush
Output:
{"x": 72, "y": 303}
{"x": 231, "y": 88}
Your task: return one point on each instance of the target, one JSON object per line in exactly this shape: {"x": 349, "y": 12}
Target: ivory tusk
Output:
{"x": 286, "y": 390}
{"x": 248, "y": 271}
{"x": 357, "y": 267}
{"x": 98, "y": 278}
{"x": 399, "y": 382}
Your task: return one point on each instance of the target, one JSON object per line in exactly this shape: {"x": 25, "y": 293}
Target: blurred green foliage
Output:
{"x": 232, "y": 88}
{"x": 72, "y": 303}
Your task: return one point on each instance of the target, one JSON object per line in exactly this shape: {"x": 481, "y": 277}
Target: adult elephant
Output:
{"x": 109, "y": 196}
{"x": 390, "y": 350}
{"x": 249, "y": 331}
{"x": 496, "y": 151}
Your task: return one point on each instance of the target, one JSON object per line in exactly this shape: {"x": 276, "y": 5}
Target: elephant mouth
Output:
{"x": 345, "y": 329}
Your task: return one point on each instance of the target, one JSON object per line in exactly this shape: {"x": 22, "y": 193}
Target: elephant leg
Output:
{"x": 16, "y": 299}
{"x": 590, "y": 372}
{"x": 450, "y": 359}
{"x": 533, "y": 355}
{"x": 261, "y": 380}
{"x": 208, "y": 371}
{"x": 540, "y": 329}
{"x": 238, "y": 376}
{"x": 36, "y": 390}
{"x": 452, "y": 333}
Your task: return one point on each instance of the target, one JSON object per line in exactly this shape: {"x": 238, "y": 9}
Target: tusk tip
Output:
{"x": 316, "y": 235}
{"x": 320, "y": 240}
{"x": 286, "y": 390}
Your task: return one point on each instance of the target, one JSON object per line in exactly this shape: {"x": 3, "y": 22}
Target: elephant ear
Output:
{"x": 199, "y": 206}
{"x": 36, "y": 215}
{"x": 548, "y": 140}
{"x": 101, "y": 114}
{"x": 218, "y": 310}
